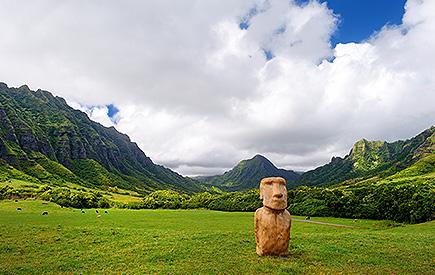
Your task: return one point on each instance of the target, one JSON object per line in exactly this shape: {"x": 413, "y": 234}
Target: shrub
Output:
{"x": 409, "y": 202}
{"x": 77, "y": 199}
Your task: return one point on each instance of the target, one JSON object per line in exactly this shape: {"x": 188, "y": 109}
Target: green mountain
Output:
{"x": 248, "y": 173}
{"x": 42, "y": 139}
{"x": 368, "y": 161}
{"x": 378, "y": 159}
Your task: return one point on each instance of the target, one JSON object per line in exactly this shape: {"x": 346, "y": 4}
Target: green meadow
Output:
{"x": 199, "y": 241}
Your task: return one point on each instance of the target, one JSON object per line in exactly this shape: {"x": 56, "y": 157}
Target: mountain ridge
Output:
{"x": 373, "y": 158}
{"x": 366, "y": 159}
{"x": 43, "y": 137}
{"x": 248, "y": 173}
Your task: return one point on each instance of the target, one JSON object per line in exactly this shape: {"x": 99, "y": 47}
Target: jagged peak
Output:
{"x": 261, "y": 157}
{"x": 24, "y": 87}
{"x": 364, "y": 144}
{"x": 335, "y": 159}
{"x": 363, "y": 140}
{"x": 248, "y": 173}
{"x": 366, "y": 141}
{"x": 254, "y": 161}
{"x": 45, "y": 93}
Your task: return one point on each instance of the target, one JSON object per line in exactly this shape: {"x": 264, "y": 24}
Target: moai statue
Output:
{"x": 272, "y": 222}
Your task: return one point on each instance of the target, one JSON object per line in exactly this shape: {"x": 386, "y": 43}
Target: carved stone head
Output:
{"x": 274, "y": 193}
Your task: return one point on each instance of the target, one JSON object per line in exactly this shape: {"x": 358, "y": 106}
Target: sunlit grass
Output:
{"x": 198, "y": 241}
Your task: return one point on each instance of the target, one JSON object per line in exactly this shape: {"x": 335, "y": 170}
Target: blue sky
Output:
{"x": 112, "y": 110}
{"x": 359, "y": 19}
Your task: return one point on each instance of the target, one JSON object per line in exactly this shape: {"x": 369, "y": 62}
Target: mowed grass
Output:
{"x": 199, "y": 241}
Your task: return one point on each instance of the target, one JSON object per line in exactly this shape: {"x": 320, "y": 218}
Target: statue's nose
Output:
{"x": 278, "y": 195}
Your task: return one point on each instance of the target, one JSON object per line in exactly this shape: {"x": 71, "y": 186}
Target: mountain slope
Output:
{"x": 44, "y": 138}
{"x": 373, "y": 158}
{"x": 248, "y": 173}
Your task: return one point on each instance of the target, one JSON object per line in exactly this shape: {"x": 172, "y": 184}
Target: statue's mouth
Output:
{"x": 277, "y": 200}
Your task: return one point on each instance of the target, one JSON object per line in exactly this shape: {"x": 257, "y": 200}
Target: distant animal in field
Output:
{"x": 19, "y": 209}
{"x": 355, "y": 220}
{"x": 105, "y": 211}
{"x": 44, "y": 213}
{"x": 96, "y": 211}
{"x": 16, "y": 200}
{"x": 83, "y": 211}
{"x": 307, "y": 218}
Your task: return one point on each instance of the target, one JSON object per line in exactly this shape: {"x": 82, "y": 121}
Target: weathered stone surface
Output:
{"x": 272, "y": 222}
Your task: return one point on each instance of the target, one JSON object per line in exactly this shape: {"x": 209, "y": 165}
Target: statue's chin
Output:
{"x": 276, "y": 205}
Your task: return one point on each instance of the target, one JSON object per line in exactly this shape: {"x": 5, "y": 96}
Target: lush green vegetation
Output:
{"x": 48, "y": 141}
{"x": 8, "y": 172}
{"x": 63, "y": 196}
{"x": 231, "y": 201}
{"x": 248, "y": 173}
{"x": 199, "y": 241}
{"x": 68, "y": 195}
{"x": 373, "y": 158}
{"x": 409, "y": 199}
{"x": 55, "y": 159}
{"x": 408, "y": 196}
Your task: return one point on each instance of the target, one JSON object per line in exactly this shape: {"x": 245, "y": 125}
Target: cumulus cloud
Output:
{"x": 96, "y": 113}
{"x": 201, "y": 85}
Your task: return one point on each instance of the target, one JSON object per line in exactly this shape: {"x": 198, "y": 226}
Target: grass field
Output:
{"x": 199, "y": 241}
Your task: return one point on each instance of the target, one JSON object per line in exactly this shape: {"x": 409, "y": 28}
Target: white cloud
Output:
{"x": 96, "y": 113}
{"x": 196, "y": 92}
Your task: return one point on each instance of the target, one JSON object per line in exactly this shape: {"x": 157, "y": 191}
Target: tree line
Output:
{"x": 410, "y": 202}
